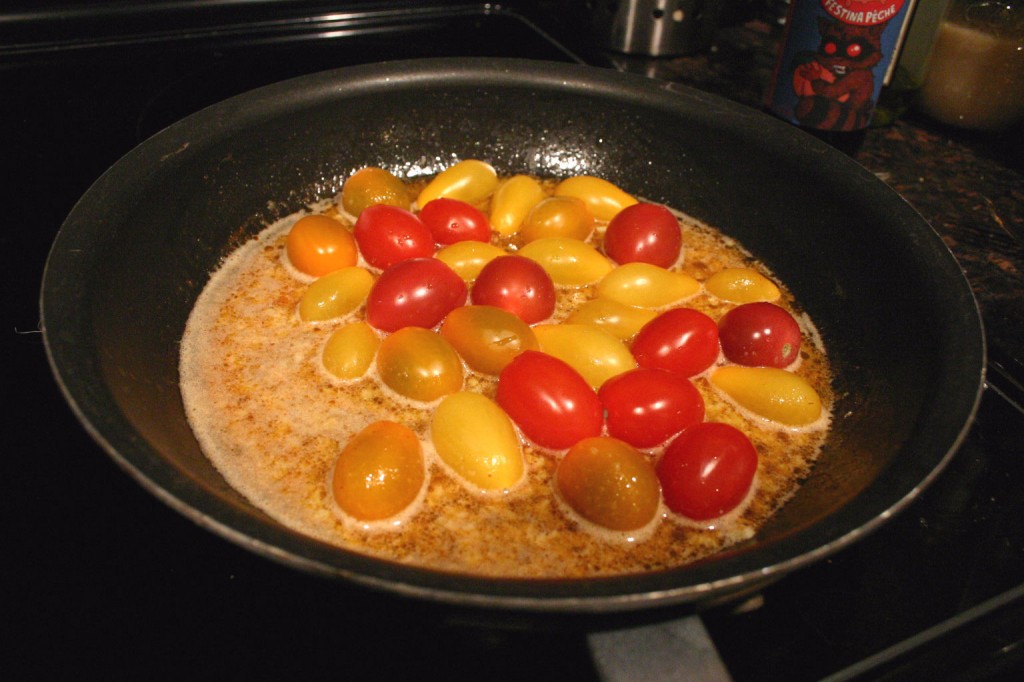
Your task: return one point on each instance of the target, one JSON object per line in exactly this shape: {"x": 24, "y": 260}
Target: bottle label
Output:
{"x": 833, "y": 61}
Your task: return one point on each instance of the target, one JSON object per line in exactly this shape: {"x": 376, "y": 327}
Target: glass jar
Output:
{"x": 975, "y": 74}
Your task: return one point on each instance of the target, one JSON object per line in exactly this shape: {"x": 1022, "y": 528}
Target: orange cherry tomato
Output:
{"x": 370, "y": 186}
{"x": 379, "y": 473}
{"x": 609, "y": 483}
{"x": 317, "y": 245}
{"x": 487, "y": 338}
{"x": 558, "y": 217}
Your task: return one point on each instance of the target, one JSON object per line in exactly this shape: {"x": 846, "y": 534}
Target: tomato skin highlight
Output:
{"x": 645, "y": 407}
{"x": 518, "y": 285}
{"x": 418, "y": 292}
{"x": 451, "y": 221}
{"x": 681, "y": 340}
{"x": 707, "y": 471}
{"x": 387, "y": 235}
{"x": 548, "y": 400}
{"x": 760, "y": 334}
{"x": 644, "y": 233}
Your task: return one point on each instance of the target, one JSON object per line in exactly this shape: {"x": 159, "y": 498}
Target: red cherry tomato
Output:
{"x": 418, "y": 292}
{"x": 707, "y": 470}
{"x": 518, "y": 285}
{"x": 451, "y": 220}
{"x": 681, "y": 340}
{"x": 388, "y": 234}
{"x": 646, "y": 407}
{"x": 548, "y": 400}
{"x": 759, "y": 335}
{"x": 644, "y": 233}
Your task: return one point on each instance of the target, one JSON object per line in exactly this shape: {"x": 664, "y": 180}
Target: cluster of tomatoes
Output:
{"x": 610, "y": 381}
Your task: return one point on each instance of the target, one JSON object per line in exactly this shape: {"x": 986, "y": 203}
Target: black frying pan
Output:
{"x": 895, "y": 311}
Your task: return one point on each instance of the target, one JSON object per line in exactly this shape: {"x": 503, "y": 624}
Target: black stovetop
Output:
{"x": 109, "y": 581}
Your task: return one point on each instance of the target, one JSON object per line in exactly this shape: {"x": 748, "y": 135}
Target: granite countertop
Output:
{"x": 968, "y": 186}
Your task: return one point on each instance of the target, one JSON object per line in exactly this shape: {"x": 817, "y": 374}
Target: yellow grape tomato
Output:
{"x": 593, "y": 352}
{"x": 370, "y": 186}
{"x": 775, "y": 394}
{"x": 379, "y": 473}
{"x": 609, "y": 483}
{"x": 603, "y": 198}
{"x": 742, "y": 285}
{"x": 336, "y": 294}
{"x": 350, "y": 350}
{"x": 569, "y": 262}
{"x": 512, "y": 202}
{"x": 475, "y": 437}
{"x": 621, "y": 320}
{"x": 486, "y": 337}
{"x": 468, "y": 258}
{"x": 647, "y": 286}
{"x": 471, "y": 181}
{"x": 558, "y": 217}
{"x": 419, "y": 364}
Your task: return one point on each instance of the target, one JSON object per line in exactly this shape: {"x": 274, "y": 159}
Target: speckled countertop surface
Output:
{"x": 968, "y": 186}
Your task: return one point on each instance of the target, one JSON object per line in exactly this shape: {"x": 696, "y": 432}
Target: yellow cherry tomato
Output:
{"x": 379, "y": 473}
{"x": 370, "y": 186}
{"x": 469, "y": 257}
{"x": 349, "y": 351}
{"x": 486, "y": 337}
{"x": 620, "y": 320}
{"x": 419, "y": 364}
{"x": 593, "y": 352}
{"x": 609, "y": 483}
{"x": 471, "y": 181}
{"x": 647, "y": 286}
{"x": 603, "y": 198}
{"x": 335, "y": 294}
{"x": 569, "y": 262}
{"x": 512, "y": 202}
{"x": 558, "y": 217}
{"x": 475, "y": 437}
{"x": 742, "y": 285}
{"x": 317, "y": 245}
{"x": 774, "y": 394}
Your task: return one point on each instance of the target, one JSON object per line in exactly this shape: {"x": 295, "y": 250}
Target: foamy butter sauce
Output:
{"x": 273, "y": 422}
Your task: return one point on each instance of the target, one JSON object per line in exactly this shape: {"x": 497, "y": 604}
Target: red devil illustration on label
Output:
{"x": 833, "y": 61}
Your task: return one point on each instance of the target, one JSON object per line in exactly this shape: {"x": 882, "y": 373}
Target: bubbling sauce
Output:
{"x": 273, "y": 421}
